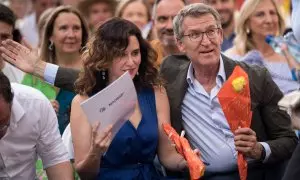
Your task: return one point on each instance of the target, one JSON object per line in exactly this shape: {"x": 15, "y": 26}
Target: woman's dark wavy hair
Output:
{"x": 110, "y": 41}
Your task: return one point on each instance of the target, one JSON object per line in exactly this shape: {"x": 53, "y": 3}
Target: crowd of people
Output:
{"x": 56, "y": 54}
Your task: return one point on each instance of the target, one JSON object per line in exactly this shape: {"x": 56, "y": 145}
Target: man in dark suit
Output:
{"x": 193, "y": 82}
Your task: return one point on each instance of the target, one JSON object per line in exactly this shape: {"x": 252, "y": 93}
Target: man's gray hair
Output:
{"x": 193, "y": 10}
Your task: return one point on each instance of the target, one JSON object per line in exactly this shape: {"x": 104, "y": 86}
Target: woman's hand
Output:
{"x": 20, "y": 56}
{"x": 55, "y": 105}
{"x": 100, "y": 140}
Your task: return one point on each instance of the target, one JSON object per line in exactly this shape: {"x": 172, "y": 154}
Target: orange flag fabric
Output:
{"x": 195, "y": 165}
{"x": 235, "y": 101}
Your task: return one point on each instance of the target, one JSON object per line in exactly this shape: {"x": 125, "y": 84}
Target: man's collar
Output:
{"x": 17, "y": 112}
{"x": 221, "y": 73}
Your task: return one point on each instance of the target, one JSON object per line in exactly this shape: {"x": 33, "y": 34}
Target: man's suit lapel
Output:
{"x": 177, "y": 92}
{"x": 228, "y": 66}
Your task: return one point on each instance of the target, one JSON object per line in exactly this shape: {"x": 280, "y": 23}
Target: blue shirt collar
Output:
{"x": 221, "y": 76}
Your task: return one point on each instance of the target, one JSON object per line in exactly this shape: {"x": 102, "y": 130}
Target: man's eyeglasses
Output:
{"x": 198, "y": 36}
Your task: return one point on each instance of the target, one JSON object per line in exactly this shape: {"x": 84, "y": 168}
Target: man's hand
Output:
{"x": 20, "y": 56}
{"x": 246, "y": 143}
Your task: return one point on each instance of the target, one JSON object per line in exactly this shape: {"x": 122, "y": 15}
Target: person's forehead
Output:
{"x": 197, "y": 23}
{"x": 169, "y": 7}
{"x": 265, "y": 5}
{"x": 66, "y": 16}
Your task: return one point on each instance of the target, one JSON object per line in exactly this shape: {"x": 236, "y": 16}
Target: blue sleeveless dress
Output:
{"x": 132, "y": 151}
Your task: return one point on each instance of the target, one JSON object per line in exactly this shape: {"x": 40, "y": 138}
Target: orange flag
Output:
{"x": 235, "y": 101}
{"x": 196, "y": 166}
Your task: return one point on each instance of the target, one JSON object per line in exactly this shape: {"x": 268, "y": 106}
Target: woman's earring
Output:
{"x": 50, "y": 47}
{"x": 247, "y": 30}
{"x": 103, "y": 75}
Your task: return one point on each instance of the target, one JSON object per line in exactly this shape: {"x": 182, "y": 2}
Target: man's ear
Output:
{"x": 180, "y": 45}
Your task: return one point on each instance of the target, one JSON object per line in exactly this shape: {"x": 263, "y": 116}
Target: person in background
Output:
{"x": 259, "y": 18}
{"x": 142, "y": 136}
{"x": 28, "y": 26}
{"x": 42, "y": 22}
{"x": 293, "y": 169}
{"x": 194, "y": 1}
{"x": 65, "y": 33}
{"x": 7, "y": 28}
{"x": 163, "y": 13}
{"x": 97, "y": 11}
{"x": 295, "y": 15}
{"x": 21, "y": 8}
{"x": 136, "y": 11}
{"x": 151, "y": 3}
{"x": 193, "y": 83}
{"x": 73, "y": 3}
{"x": 226, "y": 8}
{"x": 28, "y": 128}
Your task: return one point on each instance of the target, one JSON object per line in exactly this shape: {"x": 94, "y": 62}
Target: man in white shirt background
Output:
{"x": 29, "y": 128}
{"x": 7, "y": 23}
{"x": 28, "y": 26}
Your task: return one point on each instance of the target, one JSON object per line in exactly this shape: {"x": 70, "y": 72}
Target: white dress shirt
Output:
{"x": 33, "y": 132}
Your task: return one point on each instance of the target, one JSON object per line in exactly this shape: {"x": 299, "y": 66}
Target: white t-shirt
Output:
{"x": 33, "y": 132}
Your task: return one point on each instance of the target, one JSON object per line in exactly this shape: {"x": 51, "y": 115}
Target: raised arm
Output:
{"x": 89, "y": 144}
{"x": 28, "y": 61}
{"x": 22, "y": 57}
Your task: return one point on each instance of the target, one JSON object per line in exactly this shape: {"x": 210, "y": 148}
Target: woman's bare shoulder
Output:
{"x": 79, "y": 98}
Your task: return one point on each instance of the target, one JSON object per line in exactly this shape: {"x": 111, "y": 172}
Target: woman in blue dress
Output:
{"x": 117, "y": 47}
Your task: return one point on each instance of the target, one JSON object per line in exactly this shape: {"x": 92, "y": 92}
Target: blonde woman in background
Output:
{"x": 259, "y": 18}
{"x": 64, "y": 35}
